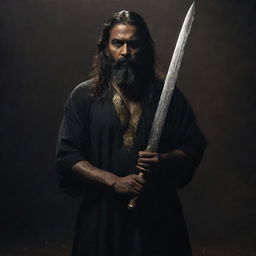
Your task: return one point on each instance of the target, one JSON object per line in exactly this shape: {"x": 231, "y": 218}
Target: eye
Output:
{"x": 117, "y": 43}
{"x": 134, "y": 44}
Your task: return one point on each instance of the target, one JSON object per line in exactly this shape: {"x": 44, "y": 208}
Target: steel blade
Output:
{"x": 170, "y": 81}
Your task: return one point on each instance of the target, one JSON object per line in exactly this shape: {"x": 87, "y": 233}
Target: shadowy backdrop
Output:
{"x": 47, "y": 48}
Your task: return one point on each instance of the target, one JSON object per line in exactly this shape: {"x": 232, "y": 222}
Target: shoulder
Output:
{"x": 82, "y": 91}
{"x": 80, "y": 97}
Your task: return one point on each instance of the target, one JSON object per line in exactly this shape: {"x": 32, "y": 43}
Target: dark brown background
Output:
{"x": 47, "y": 48}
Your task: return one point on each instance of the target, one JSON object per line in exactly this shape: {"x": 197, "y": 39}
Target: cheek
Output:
{"x": 135, "y": 53}
{"x": 113, "y": 52}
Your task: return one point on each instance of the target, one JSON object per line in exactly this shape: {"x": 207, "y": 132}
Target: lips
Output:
{"x": 124, "y": 61}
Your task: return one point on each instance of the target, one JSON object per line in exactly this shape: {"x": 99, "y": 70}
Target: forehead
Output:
{"x": 123, "y": 32}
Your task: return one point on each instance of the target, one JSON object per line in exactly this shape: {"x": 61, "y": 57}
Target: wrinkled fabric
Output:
{"x": 91, "y": 130}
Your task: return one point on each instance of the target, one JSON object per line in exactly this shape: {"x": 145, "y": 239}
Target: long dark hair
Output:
{"x": 100, "y": 69}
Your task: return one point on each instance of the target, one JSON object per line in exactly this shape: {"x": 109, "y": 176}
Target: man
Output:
{"x": 101, "y": 148}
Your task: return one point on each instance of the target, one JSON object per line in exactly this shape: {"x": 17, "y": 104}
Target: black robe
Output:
{"x": 91, "y": 130}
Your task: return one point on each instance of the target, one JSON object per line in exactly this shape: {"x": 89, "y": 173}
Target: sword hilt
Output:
{"x": 132, "y": 202}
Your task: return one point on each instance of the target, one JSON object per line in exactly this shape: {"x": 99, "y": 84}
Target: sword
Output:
{"x": 167, "y": 92}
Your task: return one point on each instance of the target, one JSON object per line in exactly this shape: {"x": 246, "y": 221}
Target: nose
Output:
{"x": 125, "y": 51}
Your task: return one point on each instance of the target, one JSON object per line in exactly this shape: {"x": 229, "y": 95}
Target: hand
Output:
{"x": 129, "y": 184}
{"x": 149, "y": 161}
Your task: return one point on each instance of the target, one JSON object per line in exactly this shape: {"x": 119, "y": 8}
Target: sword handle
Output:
{"x": 132, "y": 202}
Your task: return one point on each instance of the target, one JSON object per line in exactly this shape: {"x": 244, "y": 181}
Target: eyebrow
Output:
{"x": 124, "y": 41}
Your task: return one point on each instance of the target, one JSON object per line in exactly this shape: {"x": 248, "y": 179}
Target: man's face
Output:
{"x": 123, "y": 42}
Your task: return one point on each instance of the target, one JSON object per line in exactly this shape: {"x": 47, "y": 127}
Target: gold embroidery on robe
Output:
{"x": 128, "y": 120}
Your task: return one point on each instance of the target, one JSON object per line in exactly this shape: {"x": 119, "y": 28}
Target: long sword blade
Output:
{"x": 170, "y": 81}
{"x": 168, "y": 88}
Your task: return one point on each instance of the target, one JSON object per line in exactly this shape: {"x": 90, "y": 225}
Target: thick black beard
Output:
{"x": 124, "y": 73}
{"x": 129, "y": 77}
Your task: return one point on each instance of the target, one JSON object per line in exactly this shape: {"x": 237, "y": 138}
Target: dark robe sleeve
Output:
{"x": 188, "y": 138}
{"x": 73, "y": 141}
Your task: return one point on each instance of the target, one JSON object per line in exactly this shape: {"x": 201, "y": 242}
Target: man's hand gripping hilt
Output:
{"x": 132, "y": 202}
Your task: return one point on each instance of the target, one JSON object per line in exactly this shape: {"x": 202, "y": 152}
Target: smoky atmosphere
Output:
{"x": 47, "y": 49}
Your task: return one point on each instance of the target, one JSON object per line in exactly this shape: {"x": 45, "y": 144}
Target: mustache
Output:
{"x": 124, "y": 62}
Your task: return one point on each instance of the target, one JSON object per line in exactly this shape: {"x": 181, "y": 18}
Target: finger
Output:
{"x": 137, "y": 189}
{"x": 144, "y": 165}
{"x": 147, "y": 154}
{"x": 137, "y": 184}
{"x": 142, "y": 169}
{"x": 148, "y": 160}
{"x": 133, "y": 189}
{"x": 140, "y": 180}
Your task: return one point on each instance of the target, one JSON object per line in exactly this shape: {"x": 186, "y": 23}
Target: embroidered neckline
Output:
{"x": 128, "y": 120}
